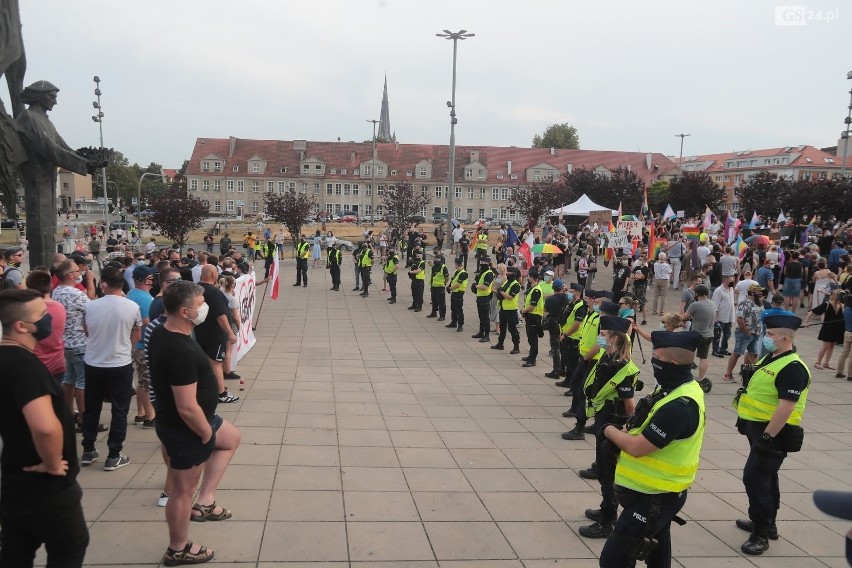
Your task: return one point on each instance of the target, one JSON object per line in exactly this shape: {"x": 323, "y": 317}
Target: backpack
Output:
{"x": 5, "y": 283}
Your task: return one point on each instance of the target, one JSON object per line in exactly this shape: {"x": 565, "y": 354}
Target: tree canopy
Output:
{"x": 290, "y": 209}
{"x": 176, "y": 213}
{"x": 692, "y": 192}
{"x": 537, "y": 199}
{"x": 401, "y": 203}
{"x": 558, "y": 136}
{"x": 769, "y": 195}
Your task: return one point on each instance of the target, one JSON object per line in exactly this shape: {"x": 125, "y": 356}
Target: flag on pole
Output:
{"x": 669, "y": 214}
{"x": 646, "y": 212}
{"x": 524, "y": 250}
{"x": 609, "y": 252}
{"x": 708, "y": 217}
{"x": 692, "y": 233}
{"x": 755, "y": 221}
{"x": 782, "y": 218}
{"x": 740, "y": 247}
{"x": 807, "y": 230}
{"x": 274, "y": 278}
{"x": 652, "y": 243}
{"x": 511, "y": 237}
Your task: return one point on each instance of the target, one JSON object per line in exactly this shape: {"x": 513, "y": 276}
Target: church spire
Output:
{"x": 384, "y": 122}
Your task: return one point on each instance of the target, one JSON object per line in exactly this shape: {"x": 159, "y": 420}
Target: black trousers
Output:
{"x": 417, "y": 294}
{"x": 302, "y": 271}
{"x": 631, "y": 526}
{"x": 533, "y": 326}
{"x": 578, "y": 400}
{"x": 266, "y": 267}
{"x": 439, "y": 300}
{"x": 760, "y": 478}
{"x": 116, "y": 383}
{"x": 570, "y": 356}
{"x": 61, "y": 527}
{"x": 606, "y": 475}
{"x": 509, "y": 321}
{"x": 392, "y": 284}
{"x": 553, "y": 331}
{"x": 366, "y": 275}
{"x": 334, "y": 270}
{"x": 457, "y": 308}
{"x": 483, "y": 310}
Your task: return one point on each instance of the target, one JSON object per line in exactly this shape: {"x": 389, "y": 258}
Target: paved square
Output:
{"x": 374, "y": 437}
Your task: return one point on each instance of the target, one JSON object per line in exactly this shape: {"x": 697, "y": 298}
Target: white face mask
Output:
{"x": 203, "y": 309}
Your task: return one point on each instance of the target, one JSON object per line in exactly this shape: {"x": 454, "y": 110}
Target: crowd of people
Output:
{"x": 73, "y": 339}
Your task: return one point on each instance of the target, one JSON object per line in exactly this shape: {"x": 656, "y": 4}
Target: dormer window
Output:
{"x": 236, "y": 168}
{"x": 283, "y": 169}
{"x": 421, "y": 172}
{"x": 205, "y": 166}
{"x": 333, "y": 170}
{"x": 255, "y": 167}
{"x": 499, "y": 176}
{"x": 306, "y": 168}
{"x": 343, "y": 171}
{"x": 393, "y": 172}
{"x": 217, "y": 166}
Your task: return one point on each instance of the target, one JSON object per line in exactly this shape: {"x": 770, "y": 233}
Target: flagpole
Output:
{"x": 259, "y": 308}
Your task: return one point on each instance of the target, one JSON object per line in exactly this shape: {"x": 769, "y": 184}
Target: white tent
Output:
{"x": 581, "y": 207}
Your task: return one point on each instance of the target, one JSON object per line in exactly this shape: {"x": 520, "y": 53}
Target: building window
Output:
{"x": 424, "y": 191}
{"x": 217, "y": 185}
{"x": 205, "y": 166}
{"x": 480, "y": 174}
{"x": 421, "y": 172}
{"x": 236, "y": 168}
{"x": 482, "y": 213}
{"x": 368, "y": 189}
{"x": 458, "y": 193}
{"x": 408, "y": 173}
{"x": 217, "y": 206}
{"x": 270, "y": 186}
{"x": 380, "y": 170}
{"x": 230, "y": 205}
{"x": 393, "y": 172}
{"x": 292, "y": 186}
{"x": 499, "y": 176}
{"x": 504, "y": 194}
{"x": 229, "y": 186}
{"x": 439, "y": 191}
{"x": 333, "y": 171}
{"x": 354, "y": 189}
{"x": 304, "y": 187}
{"x": 483, "y": 193}
{"x": 367, "y": 170}
{"x": 343, "y": 171}
{"x": 255, "y": 186}
{"x": 255, "y": 207}
{"x": 338, "y": 189}
{"x": 193, "y": 184}
{"x": 284, "y": 169}
{"x": 329, "y": 189}
{"x": 316, "y": 189}
{"x": 495, "y": 193}
{"x": 205, "y": 185}
{"x": 255, "y": 167}
{"x": 329, "y": 208}
{"x": 380, "y": 190}
{"x": 422, "y": 211}
{"x": 347, "y": 189}
{"x": 241, "y": 186}
{"x": 282, "y": 187}
{"x": 536, "y": 175}
{"x": 470, "y": 193}
{"x": 217, "y": 166}
{"x": 306, "y": 168}
{"x": 368, "y": 209}
{"x": 468, "y": 173}
{"x": 318, "y": 168}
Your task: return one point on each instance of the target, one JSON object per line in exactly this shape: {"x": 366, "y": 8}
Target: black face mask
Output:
{"x": 670, "y": 373}
{"x": 43, "y": 327}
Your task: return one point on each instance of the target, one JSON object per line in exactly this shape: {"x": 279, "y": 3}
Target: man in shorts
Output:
{"x": 215, "y": 335}
{"x": 143, "y": 281}
{"x": 747, "y": 332}
{"x": 195, "y": 439}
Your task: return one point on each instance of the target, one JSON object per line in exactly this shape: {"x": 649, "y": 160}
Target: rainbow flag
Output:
{"x": 807, "y": 230}
{"x": 658, "y": 247}
{"x": 755, "y": 221}
{"x": 740, "y": 247}
{"x": 691, "y": 232}
{"x": 652, "y": 242}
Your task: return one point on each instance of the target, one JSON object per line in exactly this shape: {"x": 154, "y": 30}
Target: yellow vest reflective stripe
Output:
{"x": 482, "y": 242}
{"x": 366, "y": 258}
{"x": 303, "y": 250}
{"x": 539, "y": 307}
{"x": 570, "y": 322}
{"x": 546, "y": 288}
{"x": 421, "y": 266}
{"x": 460, "y": 279}
{"x": 390, "y": 264}
{"x": 589, "y": 331}
{"x": 439, "y": 276}
{"x": 334, "y": 256}
{"x": 760, "y": 400}
{"x": 671, "y": 469}
{"x": 608, "y": 390}
{"x": 481, "y": 282}
{"x": 510, "y": 305}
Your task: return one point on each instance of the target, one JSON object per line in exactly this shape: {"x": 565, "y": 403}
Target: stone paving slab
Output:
{"x": 374, "y": 437}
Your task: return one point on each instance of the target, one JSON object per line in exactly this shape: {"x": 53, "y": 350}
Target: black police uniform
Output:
{"x": 333, "y": 261}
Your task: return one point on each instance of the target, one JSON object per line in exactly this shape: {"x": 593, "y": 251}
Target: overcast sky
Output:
{"x": 628, "y": 74}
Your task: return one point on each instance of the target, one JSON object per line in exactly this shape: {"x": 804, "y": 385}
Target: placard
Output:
{"x": 246, "y": 295}
{"x": 619, "y": 240}
{"x": 602, "y": 218}
{"x": 681, "y": 214}
{"x": 632, "y": 228}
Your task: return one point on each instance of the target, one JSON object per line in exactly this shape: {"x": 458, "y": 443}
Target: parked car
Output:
{"x": 349, "y": 218}
{"x": 417, "y": 219}
{"x": 124, "y": 225}
{"x": 8, "y": 223}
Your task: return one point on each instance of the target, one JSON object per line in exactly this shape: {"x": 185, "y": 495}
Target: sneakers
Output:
{"x": 112, "y": 464}
{"x": 232, "y": 375}
{"x": 227, "y": 397}
{"x": 163, "y": 500}
{"x": 88, "y": 457}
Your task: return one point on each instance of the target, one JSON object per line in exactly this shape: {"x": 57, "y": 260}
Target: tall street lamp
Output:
{"x": 455, "y": 36}
{"x": 681, "y": 136}
{"x": 373, "y": 177}
{"x": 845, "y": 135}
{"x": 99, "y": 118}
{"x": 139, "y": 197}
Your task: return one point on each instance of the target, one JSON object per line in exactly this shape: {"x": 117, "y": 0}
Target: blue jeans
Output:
{"x": 75, "y": 368}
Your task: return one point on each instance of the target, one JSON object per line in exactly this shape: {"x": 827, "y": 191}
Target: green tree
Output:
{"x": 765, "y": 193}
{"x": 177, "y": 213}
{"x": 692, "y": 192}
{"x": 402, "y": 202}
{"x": 534, "y": 201}
{"x": 621, "y": 185}
{"x": 659, "y": 195}
{"x": 290, "y": 209}
{"x": 558, "y": 136}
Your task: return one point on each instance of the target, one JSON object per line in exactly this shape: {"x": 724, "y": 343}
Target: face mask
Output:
{"x": 769, "y": 345}
{"x": 78, "y": 279}
{"x": 624, "y": 312}
{"x": 140, "y": 263}
{"x": 570, "y": 296}
{"x": 546, "y": 278}
{"x": 602, "y": 342}
{"x": 202, "y": 314}
{"x": 43, "y": 327}
{"x": 666, "y": 372}
{"x": 596, "y": 308}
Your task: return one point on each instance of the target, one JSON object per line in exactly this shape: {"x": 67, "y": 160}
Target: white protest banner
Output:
{"x": 246, "y": 295}
{"x": 681, "y": 214}
{"x": 619, "y": 240}
{"x": 632, "y": 228}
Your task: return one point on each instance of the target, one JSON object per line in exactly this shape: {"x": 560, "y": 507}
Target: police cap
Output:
{"x": 688, "y": 340}
{"x": 612, "y": 323}
{"x": 576, "y": 287}
{"x": 609, "y": 308}
{"x": 782, "y": 321}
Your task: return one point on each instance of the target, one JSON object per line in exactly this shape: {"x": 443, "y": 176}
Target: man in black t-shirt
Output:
{"x": 214, "y": 334}
{"x": 196, "y": 439}
{"x": 39, "y": 495}
{"x": 620, "y": 278}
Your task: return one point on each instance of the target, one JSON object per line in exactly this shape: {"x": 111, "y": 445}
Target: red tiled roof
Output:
{"x": 169, "y": 173}
{"x": 404, "y": 157}
{"x": 817, "y": 158}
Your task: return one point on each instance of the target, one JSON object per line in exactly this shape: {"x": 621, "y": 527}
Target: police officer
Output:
{"x": 332, "y": 262}
{"x": 366, "y": 264}
{"x": 532, "y": 312}
{"x": 356, "y": 257}
{"x": 437, "y": 282}
{"x": 569, "y": 333}
{"x": 303, "y": 250}
{"x": 482, "y": 287}
{"x": 660, "y": 447}
{"x": 769, "y": 411}
{"x": 457, "y": 287}
{"x": 553, "y": 307}
{"x": 481, "y": 246}
{"x": 417, "y": 273}
{"x": 390, "y": 268}
{"x": 609, "y": 390}
{"x": 507, "y": 303}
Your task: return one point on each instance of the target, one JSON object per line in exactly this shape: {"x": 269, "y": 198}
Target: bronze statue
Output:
{"x": 13, "y": 65}
{"x": 45, "y": 151}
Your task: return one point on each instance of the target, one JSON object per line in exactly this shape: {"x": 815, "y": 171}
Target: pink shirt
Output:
{"x": 51, "y": 350}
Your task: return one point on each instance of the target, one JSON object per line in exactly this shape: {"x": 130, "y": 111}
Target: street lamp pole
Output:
{"x": 99, "y": 118}
{"x": 139, "y": 198}
{"x": 373, "y": 177}
{"x": 845, "y": 136}
{"x": 455, "y": 36}
{"x": 681, "y": 136}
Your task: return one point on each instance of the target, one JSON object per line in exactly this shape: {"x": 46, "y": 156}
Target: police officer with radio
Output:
{"x": 532, "y": 312}
{"x": 569, "y": 333}
{"x": 507, "y": 302}
{"x": 437, "y": 282}
{"x": 417, "y": 273}
{"x": 456, "y": 288}
{"x": 659, "y": 452}
{"x": 303, "y": 250}
{"x": 390, "y": 268}
{"x": 332, "y": 262}
{"x": 482, "y": 287}
{"x": 366, "y": 263}
{"x": 769, "y": 411}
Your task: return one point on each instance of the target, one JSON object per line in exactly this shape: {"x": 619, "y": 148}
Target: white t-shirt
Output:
{"x": 741, "y": 290}
{"x": 703, "y": 253}
{"x": 150, "y": 246}
{"x": 110, "y": 321}
{"x": 457, "y": 234}
{"x": 196, "y": 273}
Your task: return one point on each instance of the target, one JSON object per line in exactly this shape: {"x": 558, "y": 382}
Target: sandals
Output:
{"x": 827, "y": 366}
{"x": 185, "y": 556}
{"x": 818, "y": 365}
{"x": 206, "y": 513}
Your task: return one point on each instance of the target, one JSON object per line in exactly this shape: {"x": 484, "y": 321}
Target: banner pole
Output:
{"x": 260, "y": 307}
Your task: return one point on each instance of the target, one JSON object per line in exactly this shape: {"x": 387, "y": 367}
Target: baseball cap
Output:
{"x": 141, "y": 273}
